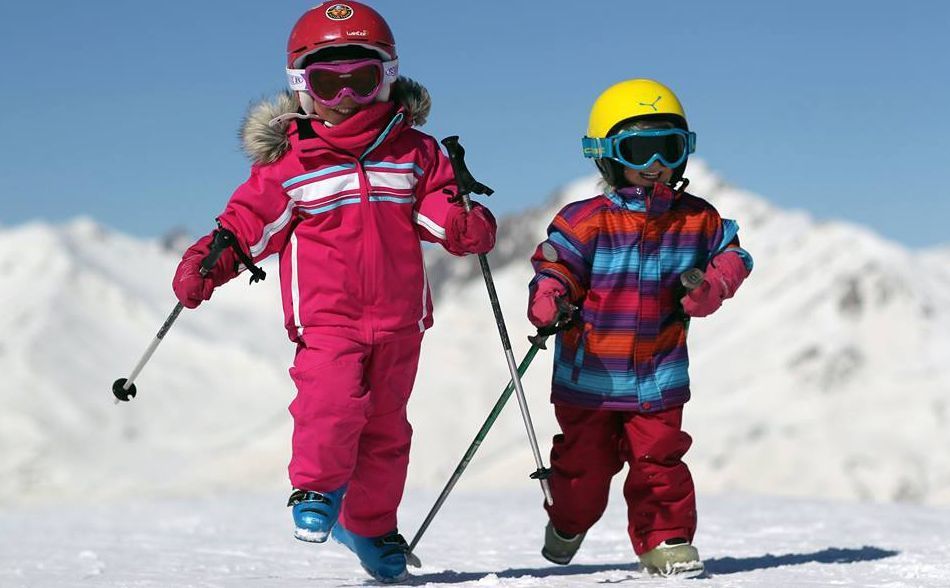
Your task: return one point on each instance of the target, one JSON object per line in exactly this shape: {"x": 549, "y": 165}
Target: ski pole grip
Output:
{"x": 692, "y": 278}
{"x": 223, "y": 239}
{"x": 467, "y": 184}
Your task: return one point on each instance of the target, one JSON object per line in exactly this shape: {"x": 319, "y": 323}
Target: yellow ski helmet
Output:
{"x": 627, "y": 102}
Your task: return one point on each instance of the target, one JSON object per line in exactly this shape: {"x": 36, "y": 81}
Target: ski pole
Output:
{"x": 466, "y": 185}
{"x": 124, "y": 388}
{"x": 537, "y": 342}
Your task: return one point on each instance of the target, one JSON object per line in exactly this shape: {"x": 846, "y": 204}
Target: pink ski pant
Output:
{"x": 350, "y": 425}
{"x": 593, "y": 447}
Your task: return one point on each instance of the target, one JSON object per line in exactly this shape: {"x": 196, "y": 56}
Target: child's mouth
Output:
{"x": 652, "y": 176}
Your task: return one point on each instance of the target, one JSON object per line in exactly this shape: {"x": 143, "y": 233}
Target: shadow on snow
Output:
{"x": 831, "y": 555}
{"x": 714, "y": 567}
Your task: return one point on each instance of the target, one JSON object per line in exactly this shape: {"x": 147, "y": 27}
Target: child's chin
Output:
{"x": 642, "y": 182}
{"x": 337, "y": 116}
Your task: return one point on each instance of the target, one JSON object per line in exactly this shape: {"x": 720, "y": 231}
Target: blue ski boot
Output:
{"x": 315, "y": 513}
{"x": 383, "y": 558}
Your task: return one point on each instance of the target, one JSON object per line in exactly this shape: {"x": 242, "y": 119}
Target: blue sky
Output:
{"x": 128, "y": 111}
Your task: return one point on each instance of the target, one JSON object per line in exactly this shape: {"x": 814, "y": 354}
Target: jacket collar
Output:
{"x": 654, "y": 201}
{"x": 355, "y": 137}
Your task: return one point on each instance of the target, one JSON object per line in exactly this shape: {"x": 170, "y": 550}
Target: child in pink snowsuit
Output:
{"x": 344, "y": 189}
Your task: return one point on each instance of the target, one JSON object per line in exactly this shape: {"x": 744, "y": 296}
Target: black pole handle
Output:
{"x": 223, "y": 239}
{"x": 467, "y": 184}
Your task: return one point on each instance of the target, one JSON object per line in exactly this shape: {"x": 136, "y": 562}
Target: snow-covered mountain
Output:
{"x": 825, "y": 376}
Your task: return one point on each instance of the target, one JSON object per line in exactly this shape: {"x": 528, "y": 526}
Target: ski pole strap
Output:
{"x": 541, "y": 474}
{"x": 568, "y": 314}
{"x": 224, "y": 238}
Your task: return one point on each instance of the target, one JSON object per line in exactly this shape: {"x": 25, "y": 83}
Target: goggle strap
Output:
{"x": 596, "y": 148}
{"x": 297, "y": 78}
{"x": 390, "y": 71}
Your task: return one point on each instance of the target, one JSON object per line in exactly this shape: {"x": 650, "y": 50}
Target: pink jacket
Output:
{"x": 346, "y": 208}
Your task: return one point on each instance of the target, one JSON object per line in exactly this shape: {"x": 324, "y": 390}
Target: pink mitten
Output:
{"x": 542, "y": 306}
{"x": 723, "y": 276}
{"x": 191, "y": 288}
{"x": 470, "y": 231}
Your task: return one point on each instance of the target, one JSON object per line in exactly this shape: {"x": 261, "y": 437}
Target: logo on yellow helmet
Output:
{"x": 652, "y": 104}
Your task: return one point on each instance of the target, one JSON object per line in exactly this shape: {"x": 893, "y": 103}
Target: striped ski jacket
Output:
{"x": 346, "y": 208}
{"x": 620, "y": 259}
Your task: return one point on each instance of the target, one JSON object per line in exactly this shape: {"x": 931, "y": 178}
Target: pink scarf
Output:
{"x": 352, "y": 136}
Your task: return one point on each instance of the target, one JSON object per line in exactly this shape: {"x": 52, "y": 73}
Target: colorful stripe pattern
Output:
{"x": 621, "y": 258}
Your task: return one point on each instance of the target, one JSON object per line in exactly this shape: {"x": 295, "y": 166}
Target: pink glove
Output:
{"x": 470, "y": 231}
{"x": 723, "y": 276}
{"x": 542, "y": 306}
{"x": 191, "y": 288}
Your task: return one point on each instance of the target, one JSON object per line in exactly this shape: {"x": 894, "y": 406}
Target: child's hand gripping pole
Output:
{"x": 124, "y": 388}
{"x": 469, "y": 185}
{"x": 567, "y": 317}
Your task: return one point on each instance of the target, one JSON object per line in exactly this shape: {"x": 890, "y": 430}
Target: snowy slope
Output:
{"x": 246, "y": 540}
{"x": 825, "y": 377}
{"x": 81, "y": 305}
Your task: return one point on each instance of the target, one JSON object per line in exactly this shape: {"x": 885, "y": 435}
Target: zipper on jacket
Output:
{"x": 369, "y": 260}
{"x": 641, "y": 257}
{"x": 369, "y": 257}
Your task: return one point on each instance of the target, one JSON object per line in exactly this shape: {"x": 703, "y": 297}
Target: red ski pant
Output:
{"x": 593, "y": 447}
{"x": 350, "y": 425}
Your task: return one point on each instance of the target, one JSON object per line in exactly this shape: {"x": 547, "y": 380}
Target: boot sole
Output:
{"x": 309, "y": 536}
{"x": 561, "y": 561}
{"x": 677, "y": 570}
{"x": 383, "y": 579}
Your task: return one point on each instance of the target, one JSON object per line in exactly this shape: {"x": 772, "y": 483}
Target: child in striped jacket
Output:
{"x": 620, "y": 375}
{"x": 344, "y": 189}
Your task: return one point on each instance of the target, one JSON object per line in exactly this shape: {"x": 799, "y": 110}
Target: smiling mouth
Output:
{"x": 650, "y": 175}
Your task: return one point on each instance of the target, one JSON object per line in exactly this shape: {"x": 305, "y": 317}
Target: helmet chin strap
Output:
{"x": 306, "y": 102}
{"x": 384, "y": 92}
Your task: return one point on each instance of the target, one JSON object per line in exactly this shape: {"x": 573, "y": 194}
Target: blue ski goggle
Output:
{"x": 639, "y": 148}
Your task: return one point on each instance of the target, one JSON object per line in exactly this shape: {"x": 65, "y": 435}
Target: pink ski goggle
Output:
{"x": 329, "y": 83}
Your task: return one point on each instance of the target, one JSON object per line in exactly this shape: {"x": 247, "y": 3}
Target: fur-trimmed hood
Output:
{"x": 264, "y": 143}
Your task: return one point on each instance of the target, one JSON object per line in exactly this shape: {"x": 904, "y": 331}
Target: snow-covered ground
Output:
{"x": 479, "y": 539}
